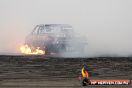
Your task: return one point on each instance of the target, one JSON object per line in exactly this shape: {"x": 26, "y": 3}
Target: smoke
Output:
{"x": 106, "y": 24}
{"x": 12, "y": 35}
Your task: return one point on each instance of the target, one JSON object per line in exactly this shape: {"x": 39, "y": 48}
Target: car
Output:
{"x": 55, "y": 38}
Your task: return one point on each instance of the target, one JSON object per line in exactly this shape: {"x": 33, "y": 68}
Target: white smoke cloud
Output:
{"x": 105, "y": 23}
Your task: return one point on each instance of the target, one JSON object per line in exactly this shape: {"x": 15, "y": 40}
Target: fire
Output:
{"x": 25, "y": 49}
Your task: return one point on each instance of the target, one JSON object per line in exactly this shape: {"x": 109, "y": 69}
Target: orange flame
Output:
{"x": 25, "y": 49}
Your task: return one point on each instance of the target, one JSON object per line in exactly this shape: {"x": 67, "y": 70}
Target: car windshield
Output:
{"x": 52, "y": 29}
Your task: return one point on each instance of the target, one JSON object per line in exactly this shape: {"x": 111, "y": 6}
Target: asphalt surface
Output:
{"x": 50, "y": 72}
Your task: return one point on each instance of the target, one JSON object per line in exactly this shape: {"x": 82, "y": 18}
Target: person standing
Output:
{"x": 85, "y": 76}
